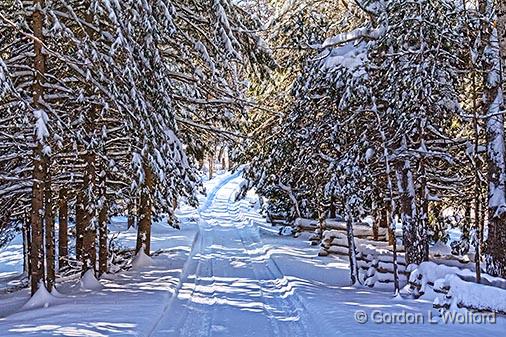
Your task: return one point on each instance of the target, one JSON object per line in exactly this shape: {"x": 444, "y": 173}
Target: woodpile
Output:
{"x": 375, "y": 264}
{"x": 379, "y": 268}
{"x": 453, "y": 293}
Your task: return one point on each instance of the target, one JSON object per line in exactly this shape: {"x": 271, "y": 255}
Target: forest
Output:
{"x": 368, "y": 132}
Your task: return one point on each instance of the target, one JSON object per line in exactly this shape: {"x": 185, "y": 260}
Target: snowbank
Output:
{"x": 41, "y": 299}
{"x": 89, "y": 281}
{"x": 458, "y": 293}
{"x": 454, "y": 288}
{"x": 141, "y": 260}
{"x": 427, "y": 273}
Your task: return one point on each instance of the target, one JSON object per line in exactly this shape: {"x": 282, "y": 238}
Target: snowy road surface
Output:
{"x": 226, "y": 273}
{"x": 229, "y": 285}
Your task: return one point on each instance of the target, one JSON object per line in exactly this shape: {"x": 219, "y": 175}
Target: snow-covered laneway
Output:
{"x": 230, "y": 286}
{"x": 226, "y": 273}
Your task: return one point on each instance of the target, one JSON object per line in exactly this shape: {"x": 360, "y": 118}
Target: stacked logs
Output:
{"x": 376, "y": 265}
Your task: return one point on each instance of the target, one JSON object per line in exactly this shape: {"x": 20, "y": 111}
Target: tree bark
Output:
{"x": 39, "y": 158}
{"x": 411, "y": 229}
{"x": 174, "y": 204}
{"x": 423, "y": 211}
{"x": 80, "y": 224}
{"x": 26, "y": 244}
{"x": 332, "y": 208}
{"x": 321, "y": 219}
{"x": 63, "y": 223}
{"x": 89, "y": 257}
{"x": 131, "y": 213}
{"x": 391, "y": 235}
{"x": 501, "y": 27}
{"x": 384, "y": 218}
{"x": 375, "y": 224}
{"x": 210, "y": 160}
{"x": 102, "y": 224}
{"x": 145, "y": 211}
{"x": 477, "y": 198}
{"x": 393, "y": 206}
{"x": 380, "y": 221}
{"x": 352, "y": 252}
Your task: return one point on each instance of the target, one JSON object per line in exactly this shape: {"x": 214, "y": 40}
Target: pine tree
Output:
{"x": 415, "y": 76}
{"x": 40, "y": 152}
{"x": 493, "y": 101}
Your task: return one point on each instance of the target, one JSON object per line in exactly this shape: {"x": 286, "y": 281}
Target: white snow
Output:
{"x": 472, "y": 295}
{"x": 41, "y": 120}
{"x": 90, "y": 282}
{"x": 141, "y": 260}
{"x": 346, "y": 37}
{"x": 41, "y": 299}
{"x": 349, "y": 56}
{"x": 221, "y": 275}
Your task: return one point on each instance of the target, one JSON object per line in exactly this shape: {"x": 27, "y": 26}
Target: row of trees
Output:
{"x": 105, "y": 108}
{"x": 399, "y": 114}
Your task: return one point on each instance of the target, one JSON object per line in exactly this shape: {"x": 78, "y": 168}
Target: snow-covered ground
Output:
{"x": 226, "y": 273}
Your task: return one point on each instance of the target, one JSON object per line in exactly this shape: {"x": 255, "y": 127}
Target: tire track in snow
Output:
{"x": 203, "y": 319}
{"x": 281, "y": 312}
{"x": 275, "y": 307}
{"x": 284, "y": 307}
{"x": 296, "y": 303}
{"x": 196, "y": 248}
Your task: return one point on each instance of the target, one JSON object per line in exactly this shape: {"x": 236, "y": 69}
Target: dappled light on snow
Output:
{"x": 225, "y": 275}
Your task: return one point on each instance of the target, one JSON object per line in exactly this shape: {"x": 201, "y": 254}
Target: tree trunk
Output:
{"x": 89, "y": 257}
{"x": 391, "y": 234}
{"x": 174, "y": 204}
{"x": 495, "y": 255}
{"x": 394, "y": 252}
{"x": 131, "y": 213}
{"x": 393, "y": 205}
{"x": 80, "y": 224}
{"x": 210, "y": 161}
{"x": 412, "y": 237}
{"x": 375, "y": 224}
{"x": 321, "y": 220}
{"x": 352, "y": 252}
{"x": 102, "y": 225}
{"x": 380, "y": 221}
{"x": 477, "y": 198}
{"x": 332, "y": 208}
{"x": 384, "y": 218}
{"x": 39, "y": 158}
{"x": 49, "y": 231}
{"x": 102, "y": 241}
{"x": 63, "y": 223}
{"x": 26, "y": 244}
{"x": 145, "y": 212}
{"x": 423, "y": 212}
{"x": 501, "y": 27}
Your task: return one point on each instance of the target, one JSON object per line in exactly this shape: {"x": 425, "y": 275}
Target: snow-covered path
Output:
{"x": 229, "y": 286}
{"x": 226, "y": 273}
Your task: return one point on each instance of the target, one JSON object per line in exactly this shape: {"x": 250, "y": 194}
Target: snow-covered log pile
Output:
{"x": 305, "y": 225}
{"x": 333, "y": 242}
{"x": 330, "y": 228}
{"x": 453, "y": 293}
{"x": 376, "y": 266}
{"x": 452, "y": 288}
